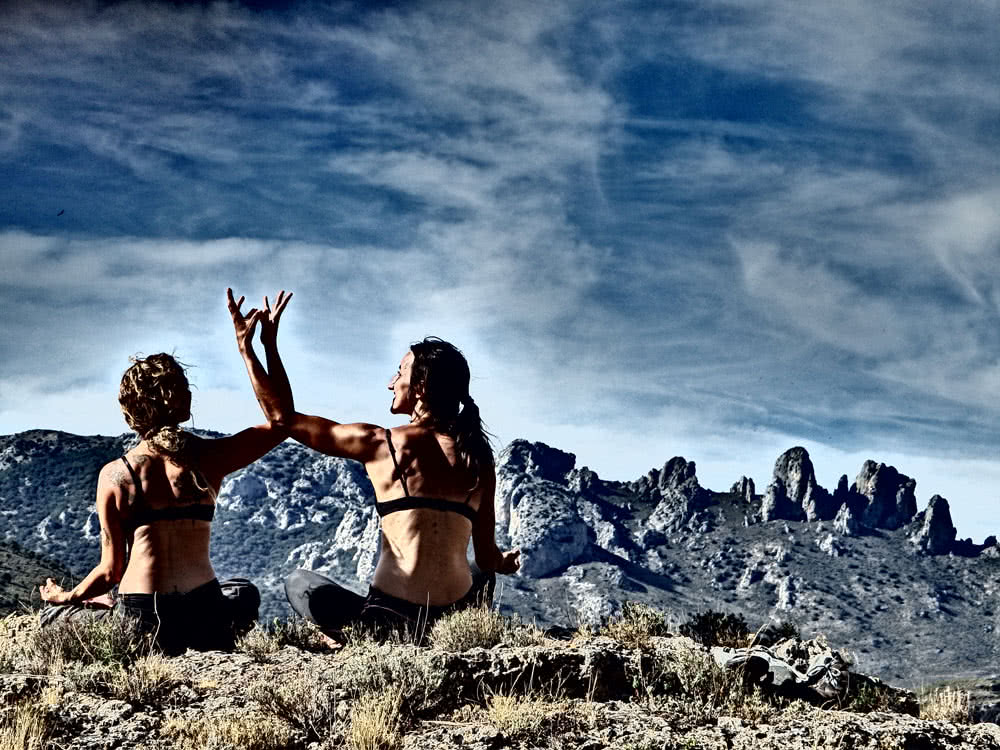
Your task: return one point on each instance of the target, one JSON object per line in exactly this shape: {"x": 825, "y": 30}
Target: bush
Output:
{"x": 109, "y": 641}
{"x": 261, "y": 642}
{"x": 143, "y": 682}
{"x": 636, "y": 624}
{"x": 306, "y": 702}
{"x": 369, "y": 667}
{"x": 712, "y": 628}
{"x": 481, "y": 627}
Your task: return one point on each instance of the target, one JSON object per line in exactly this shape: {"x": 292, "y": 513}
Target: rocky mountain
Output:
{"x": 859, "y": 565}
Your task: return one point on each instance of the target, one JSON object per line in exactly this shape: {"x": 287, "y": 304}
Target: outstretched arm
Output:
{"x": 110, "y": 569}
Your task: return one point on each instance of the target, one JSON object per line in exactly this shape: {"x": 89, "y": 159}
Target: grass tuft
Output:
{"x": 255, "y": 731}
{"x": 23, "y": 728}
{"x": 376, "y": 721}
{"x": 946, "y": 704}
{"x": 306, "y": 702}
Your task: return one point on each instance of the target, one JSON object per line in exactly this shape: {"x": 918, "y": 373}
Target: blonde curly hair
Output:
{"x": 155, "y": 398}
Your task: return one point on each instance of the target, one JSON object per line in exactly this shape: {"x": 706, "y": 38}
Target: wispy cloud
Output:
{"x": 706, "y": 223}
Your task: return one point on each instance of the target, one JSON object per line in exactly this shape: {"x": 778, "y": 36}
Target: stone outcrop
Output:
{"x": 793, "y": 493}
{"x": 745, "y": 489}
{"x": 680, "y": 500}
{"x": 935, "y": 533}
{"x": 889, "y": 500}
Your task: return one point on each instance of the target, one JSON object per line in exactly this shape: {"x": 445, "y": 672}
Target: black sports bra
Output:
{"x": 408, "y": 502}
{"x": 143, "y": 515}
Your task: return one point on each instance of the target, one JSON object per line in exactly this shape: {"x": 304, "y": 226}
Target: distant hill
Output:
{"x": 861, "y": 564}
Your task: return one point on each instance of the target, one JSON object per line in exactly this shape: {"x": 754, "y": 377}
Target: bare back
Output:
{"x": 423, "y": 555}
{"x": 167, "y": 555}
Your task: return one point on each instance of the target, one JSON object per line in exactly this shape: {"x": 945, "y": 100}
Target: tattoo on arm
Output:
{"x": 105, "y": 537}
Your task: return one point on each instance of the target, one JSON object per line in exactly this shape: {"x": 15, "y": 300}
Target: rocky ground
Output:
{"x": 630, "y": 691}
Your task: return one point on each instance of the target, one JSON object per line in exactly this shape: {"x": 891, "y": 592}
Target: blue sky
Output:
{"x": 706, "y": 229}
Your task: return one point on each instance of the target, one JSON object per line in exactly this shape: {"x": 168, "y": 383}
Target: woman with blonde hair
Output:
{"x": 155, "y": 506}
{"x": 434, "y": 482}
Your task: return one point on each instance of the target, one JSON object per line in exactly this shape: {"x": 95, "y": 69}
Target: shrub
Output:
{"x": 636, "y": 624}
{"x": 947, "y": 704}
{"x": 113, "y": 640}
{"x": 261, "y": 642}
{"x": 481, "y": 627}
{"x": 369, "y": 667}
{"x": 712, "y": 628}
{"x": 306, "y": 702}
{"x": 375, "y": 721}
{"x": 247, "y": 732}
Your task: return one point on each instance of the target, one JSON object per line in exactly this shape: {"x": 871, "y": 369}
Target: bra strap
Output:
{"x": 135, "y": 480}
{"x": 392, "y": 452}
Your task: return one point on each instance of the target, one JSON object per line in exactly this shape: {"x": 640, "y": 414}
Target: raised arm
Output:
{"x": 109, "y": 570}
{"x": 271, "y": 386}
{"x": 489, "y": 558}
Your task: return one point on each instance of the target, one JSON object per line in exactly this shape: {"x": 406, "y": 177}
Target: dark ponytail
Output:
{"x": 442, "y": 371}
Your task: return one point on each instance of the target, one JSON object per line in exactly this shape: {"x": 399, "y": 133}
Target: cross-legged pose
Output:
{"x": 434, "y": 482}
{"x": 155, "y": 505}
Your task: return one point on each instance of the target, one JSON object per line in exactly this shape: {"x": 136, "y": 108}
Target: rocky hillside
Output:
{"x": 862, "y": 564}
{"x": 479, "y": 684}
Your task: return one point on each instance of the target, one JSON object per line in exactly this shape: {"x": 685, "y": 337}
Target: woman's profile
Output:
{"x": 155, "y": 505}
{"x": 434, "y": 482}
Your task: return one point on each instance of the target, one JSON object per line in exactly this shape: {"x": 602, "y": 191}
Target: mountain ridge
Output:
{"x": 860, "y": 564}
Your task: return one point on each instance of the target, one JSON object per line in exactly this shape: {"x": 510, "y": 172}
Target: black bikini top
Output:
{"x": 408, "y": 502}
{"x": 143, "y": 515}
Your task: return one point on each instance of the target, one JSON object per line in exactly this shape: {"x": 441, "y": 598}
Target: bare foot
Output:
{"x": 330, "y": 643}
{"x": 104, "y": 601}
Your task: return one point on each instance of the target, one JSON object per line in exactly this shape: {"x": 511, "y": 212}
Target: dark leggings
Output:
{"x": 332, "y": 607}
{"x": 208, "y": 618}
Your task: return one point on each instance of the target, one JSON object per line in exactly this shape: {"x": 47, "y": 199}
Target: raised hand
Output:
{"x": 245, "y": 325}
{"x": 270, "y": 317}
{"x": 52, "y": 592}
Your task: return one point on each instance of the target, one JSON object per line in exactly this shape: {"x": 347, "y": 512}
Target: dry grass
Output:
{"x": 635, "y": 625}
{"x": 376, "y": 721}
{"x": 244, "y": 732}
{"x": 946, "y": 704}
{"x": 536, "y": 717}
{"x": 306, "y": 702}
{"x": 481, "y": 627}
{"x": 369, "y": 667}
{"x": 146, "y": 681}
{"x": 24, "y": 728}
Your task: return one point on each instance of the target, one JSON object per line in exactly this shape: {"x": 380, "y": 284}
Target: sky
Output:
{"x": 708, "y": 229}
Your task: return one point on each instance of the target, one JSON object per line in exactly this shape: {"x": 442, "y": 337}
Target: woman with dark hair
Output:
{"x": 155, "y": 506}
{"x": 434, "y": 482}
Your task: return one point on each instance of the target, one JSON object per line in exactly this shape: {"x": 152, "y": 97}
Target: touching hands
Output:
{"x": 269, "y": 317}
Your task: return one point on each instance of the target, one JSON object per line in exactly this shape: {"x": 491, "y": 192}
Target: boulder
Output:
{"x": 681, "y": 497}
{"x": 888, "y": 496}
{"x": 935, "y": 534}
{"x": 793, "y": 493}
